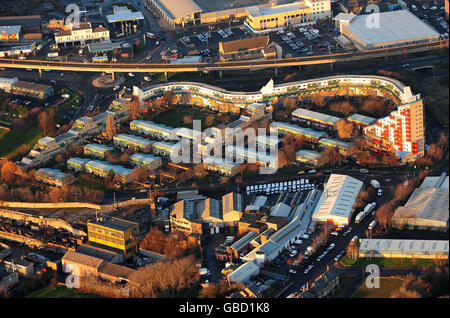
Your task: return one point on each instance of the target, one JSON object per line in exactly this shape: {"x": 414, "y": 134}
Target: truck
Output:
{"x": 163, "y": 200}
{"x": 374, "y": 183}
{"x": 372, "y": 225}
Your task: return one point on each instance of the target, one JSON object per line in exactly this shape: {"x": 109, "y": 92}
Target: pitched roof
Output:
{"x": 82, "y": 259}
{"x": 246, "y": 44}
{"x": 177, "y": 9}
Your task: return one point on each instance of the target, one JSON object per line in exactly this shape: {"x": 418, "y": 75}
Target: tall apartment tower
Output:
{"x": 320, "y": 8}
{"x": 402, "y": 131}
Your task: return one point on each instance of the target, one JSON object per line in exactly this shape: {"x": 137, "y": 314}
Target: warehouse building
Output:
{"x": 243, "y": 273}
{"x": 390, "y": 248}
{"x": 146, "y": 161}
{"x": 128, "y": 141}
{"x": 315, "y": 119}
{"x": 308, "y": 156}
{"x": 28, "y": 23}
{"x": 390, "y": 29}
{"x": 178, "y": 13}
{"x": 102, "y": 169}
{"x": 97, "y": 150}
{"x": 114, "y": 233}
{"x": 338, "y": 198}
{"x": 54, "y": 177}
{"x": 427, "y": 208}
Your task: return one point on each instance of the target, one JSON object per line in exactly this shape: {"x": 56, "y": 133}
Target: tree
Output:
{"x": 8, "y": 170}
{"x": 346, "y": 129}
{"x": 135, "y": 109}
{"x": 187, "y": 119}
{"x": 110, "y": 127}
{"x": 47, "y": 120}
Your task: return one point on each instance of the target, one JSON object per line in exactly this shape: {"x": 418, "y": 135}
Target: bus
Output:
{"x": 100, "y": 59}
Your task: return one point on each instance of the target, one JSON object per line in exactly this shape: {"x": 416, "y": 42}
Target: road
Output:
{"x": 218, "y": 66}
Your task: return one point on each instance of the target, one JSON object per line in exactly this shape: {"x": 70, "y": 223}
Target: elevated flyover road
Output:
{"x": 222, "y": 66}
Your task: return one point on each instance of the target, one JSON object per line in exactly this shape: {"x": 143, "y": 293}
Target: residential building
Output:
{"x": 103, "y": 168}
{"x": 344, "y": 147}
{"x": 40, "y": 91}
{"x": 308, "y": 156}
{"x": 401, "y": 132}
{"x": 315, "y": 119}
{"x": 166, "y": 149}
{"x": 97, "y": 150}
{"x": 221, "y": 166}
{"x": 306, "y": 133}
{"x": 427, "y": 208}
{"x": 361, "y": 121}
{"x": 151, "y": 129}
{"x": 54, "y": 177}
{"x": 325, "y": 284}
{"x": 77, "y": 164}
{"x": 336, "y": 204}
{"x": 114, "y": 233}
{"x": 146, "y": 161}
{"x": 128, "y": 140}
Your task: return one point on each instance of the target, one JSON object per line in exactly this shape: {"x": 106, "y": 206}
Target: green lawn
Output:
{"x": 60, "y": 292}
{"x": 10, "y": 141}
{"x": 387, "y": 286}
{"x": 388, "y": 262}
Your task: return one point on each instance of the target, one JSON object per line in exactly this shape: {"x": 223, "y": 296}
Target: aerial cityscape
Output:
{"x": 231, "y": 150}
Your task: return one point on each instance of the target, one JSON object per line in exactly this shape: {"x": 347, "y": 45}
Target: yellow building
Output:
{"x": 115, "y": 233}
{"x": 259, "y": 19}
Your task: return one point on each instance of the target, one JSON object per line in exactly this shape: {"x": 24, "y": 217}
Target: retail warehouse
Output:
{"x": 393, "y": 28}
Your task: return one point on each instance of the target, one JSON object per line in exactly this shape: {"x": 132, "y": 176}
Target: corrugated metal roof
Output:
{"x": 82, "y": 259}
{"x": 394, "y": 26}
{"x": 177, "y": 9}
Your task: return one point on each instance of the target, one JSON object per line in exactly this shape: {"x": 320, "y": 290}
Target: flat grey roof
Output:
{"x": 394, "y": 26}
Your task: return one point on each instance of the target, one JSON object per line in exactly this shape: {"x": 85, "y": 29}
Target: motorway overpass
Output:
{"x": 223, "y": 66}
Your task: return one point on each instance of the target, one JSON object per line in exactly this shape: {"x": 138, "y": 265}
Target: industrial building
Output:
{"x": 336, "y": 204}
{"x": 146, "y": 161}
{"x": 386, "y": 29}
{"x": 114, "y": 233}
{"x": 97, "y": 150}
{"x": 243, "y": 273}
{"x": 28, "y": 23}
{"x": 427, "y": 208}
{"x": 54, "y": 177}
{"x": 128, "y": 141}
{"x": 102, "y": 169}
{"x": 17, "y": 265}
{"x": 390, "y": 248}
